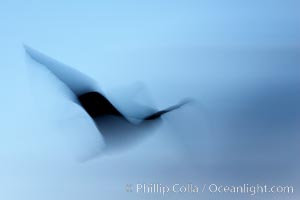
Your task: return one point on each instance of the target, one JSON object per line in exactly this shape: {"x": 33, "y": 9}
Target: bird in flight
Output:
{"x": 118, "y": 127}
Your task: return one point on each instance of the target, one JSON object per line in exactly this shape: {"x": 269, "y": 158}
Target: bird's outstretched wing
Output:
{"x": 76, "y": 81}
{"x": 157, "y": 114}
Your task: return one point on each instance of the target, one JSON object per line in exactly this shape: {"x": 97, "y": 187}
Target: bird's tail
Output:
{"x": 164, "y": 111}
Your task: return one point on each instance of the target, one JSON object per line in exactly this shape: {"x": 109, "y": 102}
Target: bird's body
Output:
{"x": 96, "y": 105}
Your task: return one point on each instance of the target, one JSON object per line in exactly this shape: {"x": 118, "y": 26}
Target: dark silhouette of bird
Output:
{"x": 118, "y": 127}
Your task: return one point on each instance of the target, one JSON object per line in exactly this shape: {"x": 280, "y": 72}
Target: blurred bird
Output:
{"x": 117, "y": 125}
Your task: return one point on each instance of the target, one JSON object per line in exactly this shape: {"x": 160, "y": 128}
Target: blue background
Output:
{"x": 216, "y": 52}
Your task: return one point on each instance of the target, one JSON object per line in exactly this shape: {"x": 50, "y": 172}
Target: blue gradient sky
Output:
{"x": 216, "y": 52}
